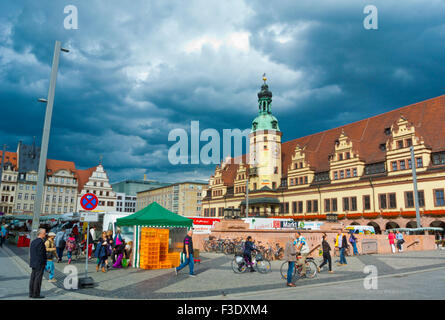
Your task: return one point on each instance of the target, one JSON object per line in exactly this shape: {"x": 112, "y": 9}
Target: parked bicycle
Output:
{"x": 311, "y": 269}
{"x": 240, "y": 264}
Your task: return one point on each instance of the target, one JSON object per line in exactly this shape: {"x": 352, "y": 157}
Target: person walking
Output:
{"x": 90, "y": 244}
{"x": 60, "y": 241}
{"x": 343, "y": 246}
{"x": 37, "y": 262}
{"x": 303, "y": 249}
{"x": 290, "y": 255}
{"x": 3, "y": 234}
{"x": 75, "y": 231}
{"x": 51, "y": 254}
{"x": 101, "y": 252}
{"x": 400, "y": 241}
{"x": 326, "y": 255}
{"x": 110, "y": 248}
{"x": 70, "y": 246}
{"x": 353, "y": 242}
{"x": 337, "y": 244}
{"x": 188, "y": 251}
{"x": 391, "y": 238}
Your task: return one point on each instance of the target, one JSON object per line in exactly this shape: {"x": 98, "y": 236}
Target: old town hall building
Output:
{"x": 361, "y": 171}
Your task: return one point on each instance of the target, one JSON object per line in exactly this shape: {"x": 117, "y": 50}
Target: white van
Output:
{"x": 109, "y": 223}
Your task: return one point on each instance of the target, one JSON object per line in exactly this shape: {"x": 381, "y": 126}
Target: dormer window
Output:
{"x": 340, "y": 156}
{"x": 400, "y": 144}
{"x": 408, "y": 143}
{"x": 382, "y": 146}
{"x": 274, "y": 124}
{"x": 337, "y": 142}
{"x": 387, "y": 131}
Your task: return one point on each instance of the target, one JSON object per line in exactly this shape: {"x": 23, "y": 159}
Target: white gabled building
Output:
{"x": 95, "y": 180}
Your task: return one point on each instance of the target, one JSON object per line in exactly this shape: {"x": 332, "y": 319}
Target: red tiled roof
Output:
{"x": 83, "y": 176}
{"x": 428, "y": 118}
{"x": 9, "y": 157}
{"x": 52, "y": 166}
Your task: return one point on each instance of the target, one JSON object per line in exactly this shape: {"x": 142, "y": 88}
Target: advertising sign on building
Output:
{"x": 203, "y": 225}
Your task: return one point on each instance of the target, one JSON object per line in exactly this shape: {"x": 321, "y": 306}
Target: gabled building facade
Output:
{"x": 95, "y": 180}
{"x": 362, "y": 172}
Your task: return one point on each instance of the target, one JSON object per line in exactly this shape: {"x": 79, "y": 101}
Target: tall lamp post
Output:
{"x": 45, "y": 139}
{"x": 416, "y": 195}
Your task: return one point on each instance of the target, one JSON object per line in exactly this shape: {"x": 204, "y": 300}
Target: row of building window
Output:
{"x": 240, "y": 189}
{"x": 386, "y": 201}
{"x": 297, "y": 181}
{"x": 8, "y": 188}
{"x": 7, "y": 199}
{"x": 100, "y": 193}
{"x": 7, "y": 177}
{"x": 217, "y": 193}
{"x": 347, "y": 173}
{"x": 405, "y": 164}
{"x": 62, "y": 180}
{"x": 53, "y": 209}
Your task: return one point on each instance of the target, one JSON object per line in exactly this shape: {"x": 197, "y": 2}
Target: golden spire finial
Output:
{"x": 264, "y": 77}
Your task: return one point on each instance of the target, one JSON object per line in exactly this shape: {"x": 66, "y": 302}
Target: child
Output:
{"x": 70, "y": 246}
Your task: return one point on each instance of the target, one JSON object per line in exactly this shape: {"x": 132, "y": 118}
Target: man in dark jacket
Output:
{"x": 37, "y": 263}
{"x": 248, "y": 248}
{"x": 188, "y": 252}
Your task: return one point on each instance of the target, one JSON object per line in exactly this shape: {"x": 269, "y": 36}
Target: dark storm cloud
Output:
{"x": 138, "y": 69}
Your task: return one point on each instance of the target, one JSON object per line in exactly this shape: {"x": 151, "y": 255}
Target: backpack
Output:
{"x": 70, "y": 245}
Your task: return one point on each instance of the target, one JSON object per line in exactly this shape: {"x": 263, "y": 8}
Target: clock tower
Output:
{"x": 265, "y": 145}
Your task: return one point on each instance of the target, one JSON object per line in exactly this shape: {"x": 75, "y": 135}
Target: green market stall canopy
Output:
{"x": 155, "y": 215}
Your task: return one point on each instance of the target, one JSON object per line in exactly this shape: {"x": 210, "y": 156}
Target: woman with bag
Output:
{"x": 353, "y": 241}
{"x": 101, "y": 252}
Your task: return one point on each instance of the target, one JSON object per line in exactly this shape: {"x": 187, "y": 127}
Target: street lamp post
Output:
{"x": 45, "y": 140}
{"x": 416, "y": 195}
{"x": 247, "y": 196}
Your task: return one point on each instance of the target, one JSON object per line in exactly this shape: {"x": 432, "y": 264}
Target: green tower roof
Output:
{"x": 265, "y": 120}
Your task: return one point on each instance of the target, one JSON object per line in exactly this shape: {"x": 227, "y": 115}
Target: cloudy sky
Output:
{"x": 138, "y": 69}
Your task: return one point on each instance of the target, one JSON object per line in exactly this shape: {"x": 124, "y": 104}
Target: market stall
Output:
{"x": 157, "y": 237}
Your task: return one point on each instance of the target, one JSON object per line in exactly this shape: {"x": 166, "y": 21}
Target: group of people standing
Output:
{"x": 48, "y": 248}
{"x": 297, "y": 250}
{"x": 396, "y": 239}
{"x": 111, "y": 246}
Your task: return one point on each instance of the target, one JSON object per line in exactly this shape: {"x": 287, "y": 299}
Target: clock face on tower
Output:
{"x": 276, "y": 151}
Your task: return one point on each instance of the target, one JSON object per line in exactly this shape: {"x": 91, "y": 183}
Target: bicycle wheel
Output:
{"x": 263, "y": 266}
{"x": 238, "y": 268}
{"x": 206, "y": 246}
{"x": 311, "y": 269}
{"x": 228, "y": 250}
{"x": 284, "y": 268}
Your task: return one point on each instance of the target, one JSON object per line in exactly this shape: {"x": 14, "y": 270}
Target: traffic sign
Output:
{"x": 89, "y": 201}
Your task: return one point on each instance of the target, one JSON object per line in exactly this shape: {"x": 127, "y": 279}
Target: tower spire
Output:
{"x": 265, "y": 119}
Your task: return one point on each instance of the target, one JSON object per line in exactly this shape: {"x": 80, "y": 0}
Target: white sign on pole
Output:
{"x": 89, "y": 216}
